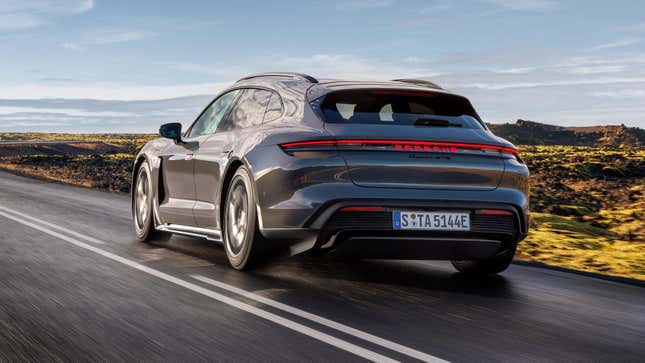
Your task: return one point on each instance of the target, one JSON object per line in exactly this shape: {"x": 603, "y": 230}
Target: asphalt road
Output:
{"x": 75, "y": 285}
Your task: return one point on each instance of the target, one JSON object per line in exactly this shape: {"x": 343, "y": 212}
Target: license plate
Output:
{"x": 436, "y": 221}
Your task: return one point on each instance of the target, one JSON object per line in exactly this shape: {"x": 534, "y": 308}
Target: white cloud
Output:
{"x": 561, "y": 87}
{"x": 85, "y": 6}
{"x": 617, "y": 44}
{"x": 108, "y": 36}
{"x": 46, "y": 6}
{"x": 24, "y": 14}
{"x": 349, "y": 66}
{"x": 364, "y": 4}
{"x": 569, "y": 82}
{"x": 525, "y": 5}
{"x": 71, "y": 46}
{"x": 13, "y": 21}
{"x": 621, "y": 94}
{"x": 516, "y": 70}
{"x": 29, "y": 124}
{"x": 227, "y": 72}
{"x": 597, "y": 69}
{"x": 413, "y": 60}
{"x": 105, "y": 91}
{"x": 632, "y": 28}
{"x": 11, "y": 110}
{"x": 437, "y": 5}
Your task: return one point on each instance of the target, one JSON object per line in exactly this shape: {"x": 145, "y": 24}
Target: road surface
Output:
{"x": 75, "y": 285}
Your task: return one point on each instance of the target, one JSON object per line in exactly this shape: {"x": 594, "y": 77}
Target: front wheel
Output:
{"x": 489, "y": 266}
{"x": 142, "y": 213}
{"x": 242, "y": 239}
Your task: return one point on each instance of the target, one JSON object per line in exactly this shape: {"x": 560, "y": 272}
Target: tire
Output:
{"x": 490, "y": 266}
{"x": 243, "y": 242}
{"x": 142, "y": 208}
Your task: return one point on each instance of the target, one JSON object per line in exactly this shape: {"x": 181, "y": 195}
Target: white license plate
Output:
{"x": 437, "y": 221}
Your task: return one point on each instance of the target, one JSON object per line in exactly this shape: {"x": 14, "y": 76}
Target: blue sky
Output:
{"x": 556, "y": 61}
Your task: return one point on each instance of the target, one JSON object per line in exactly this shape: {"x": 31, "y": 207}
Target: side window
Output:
{"x": 274, "y": 109}
{"x": 386, "y": 113}
{"x": 249, "y": 110}
{"x": 207, "y": 123}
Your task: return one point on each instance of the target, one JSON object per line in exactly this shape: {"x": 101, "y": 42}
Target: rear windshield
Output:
{"x": 398, "y": 107}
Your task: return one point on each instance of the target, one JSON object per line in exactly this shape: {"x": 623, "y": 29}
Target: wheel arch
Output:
{"x": 135, "y": 172}
{"x": 232, "y": 166}
{"x": 157, "y": 180}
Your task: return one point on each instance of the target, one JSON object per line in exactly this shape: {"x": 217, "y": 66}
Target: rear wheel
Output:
{"x": 242, "y": 239}
{"x": 142, "y": 213}
{"x": 485, "y": 267}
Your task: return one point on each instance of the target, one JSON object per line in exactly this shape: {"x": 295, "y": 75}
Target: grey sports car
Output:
{"x": 283, "y": 163}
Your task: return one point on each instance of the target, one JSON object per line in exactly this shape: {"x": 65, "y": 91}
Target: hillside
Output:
{"x": 534, "y": 133}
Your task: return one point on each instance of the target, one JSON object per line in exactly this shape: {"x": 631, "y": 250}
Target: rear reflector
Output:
{"x": 362, "y": 209}
{"x": 495, "y": 212}
{"x": 400, "y": 145}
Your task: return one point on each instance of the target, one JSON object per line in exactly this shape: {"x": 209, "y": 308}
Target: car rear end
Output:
{"x": 403, "y": 172}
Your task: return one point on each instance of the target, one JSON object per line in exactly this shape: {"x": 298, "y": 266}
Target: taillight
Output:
{"x": 494, "y": 212}
{"x": 367, "y": 208}
{"x": 394, "y": 145}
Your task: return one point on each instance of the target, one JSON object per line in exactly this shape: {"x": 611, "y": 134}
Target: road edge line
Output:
{"x": 51, "y": 225}
{"x": 295, "y": 326}
{"x": 322, "y": 321}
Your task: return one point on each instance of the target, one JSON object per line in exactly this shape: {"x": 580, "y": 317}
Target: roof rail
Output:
{"x": 282, "y": 74}
{"x": 419, "y": 82}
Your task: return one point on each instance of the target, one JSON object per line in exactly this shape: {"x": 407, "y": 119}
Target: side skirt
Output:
{"x": 210, "y": 234}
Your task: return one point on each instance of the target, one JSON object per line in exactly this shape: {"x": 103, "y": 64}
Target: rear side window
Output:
{"x": 398, "y": 108}
{"x": 274, "y": 108}
{"x": 249, "y": 109}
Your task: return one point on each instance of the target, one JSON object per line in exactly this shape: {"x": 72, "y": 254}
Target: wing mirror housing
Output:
{"x": 171, "y": 131}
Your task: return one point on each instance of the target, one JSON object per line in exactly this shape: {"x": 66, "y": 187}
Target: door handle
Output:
{"x": 179, "y": 157}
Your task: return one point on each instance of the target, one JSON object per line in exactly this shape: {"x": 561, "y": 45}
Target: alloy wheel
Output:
{"x": 236, "y": 218}
{"x": 142, "y": 194}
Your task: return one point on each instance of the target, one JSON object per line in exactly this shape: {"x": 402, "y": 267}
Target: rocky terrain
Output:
{"x": 534, "y": 133}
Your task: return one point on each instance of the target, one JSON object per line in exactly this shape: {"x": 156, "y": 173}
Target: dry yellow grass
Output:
{"x": 566, "y": 242}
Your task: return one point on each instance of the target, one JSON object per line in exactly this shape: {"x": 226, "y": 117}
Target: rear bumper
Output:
{"x": 371, "y": 235}
{"x": 416, "y": 248}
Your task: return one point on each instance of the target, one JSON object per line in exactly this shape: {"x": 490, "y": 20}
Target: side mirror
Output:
{"x": 171, "y": 131}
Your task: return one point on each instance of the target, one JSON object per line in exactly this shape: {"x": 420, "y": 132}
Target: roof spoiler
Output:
{"x": 418, "y": 82}
{"x": 292, "y": 75}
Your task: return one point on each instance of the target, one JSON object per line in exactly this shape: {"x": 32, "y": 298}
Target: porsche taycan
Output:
{"x": 284, "y": 163}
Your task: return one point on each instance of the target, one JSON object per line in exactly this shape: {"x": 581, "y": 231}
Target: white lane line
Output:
{"x": 53, "y": 226}
{"x": 326, "y": 338}
{"x": 323, "y": 321}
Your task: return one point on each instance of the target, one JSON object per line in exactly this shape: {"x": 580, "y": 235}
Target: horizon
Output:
{"x": 566, "y": 63}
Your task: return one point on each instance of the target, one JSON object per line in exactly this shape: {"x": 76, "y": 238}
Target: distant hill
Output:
{"x": 525, "y": 132}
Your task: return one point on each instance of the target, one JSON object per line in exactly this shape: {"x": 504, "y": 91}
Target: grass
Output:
{"x": 565, "y": 242}
{"x": 588, "y": 208}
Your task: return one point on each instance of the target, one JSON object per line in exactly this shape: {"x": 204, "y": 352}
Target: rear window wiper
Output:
{"x": 435, "y": 122}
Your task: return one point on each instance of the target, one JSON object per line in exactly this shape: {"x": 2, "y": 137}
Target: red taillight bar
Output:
{"x": 407, "y": 145}
{"x": 362, "y": 209}
{"x": 308, "y": 143}
{"x": 495, "y": 212}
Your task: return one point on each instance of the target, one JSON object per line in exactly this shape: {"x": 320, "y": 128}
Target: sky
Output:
{"x": 554, "y": 61}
